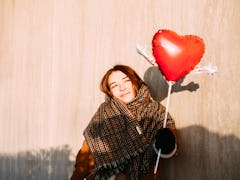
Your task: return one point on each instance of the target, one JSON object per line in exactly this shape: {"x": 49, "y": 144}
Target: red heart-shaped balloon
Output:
{"x": 176, "y": 55}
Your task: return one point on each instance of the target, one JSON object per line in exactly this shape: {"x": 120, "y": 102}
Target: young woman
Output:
{"x": 119, "y": 139}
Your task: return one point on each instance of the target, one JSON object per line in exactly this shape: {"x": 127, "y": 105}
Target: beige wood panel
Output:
{"x": 53, "y": 54}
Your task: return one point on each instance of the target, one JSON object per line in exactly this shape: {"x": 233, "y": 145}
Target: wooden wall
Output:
{"x": 53, "y": 54}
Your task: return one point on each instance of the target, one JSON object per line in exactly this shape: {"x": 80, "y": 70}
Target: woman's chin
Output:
{"x": 127, "y": 100}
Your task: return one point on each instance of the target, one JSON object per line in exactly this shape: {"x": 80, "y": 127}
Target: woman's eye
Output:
{"x": 126, "y": 80}
{"x": 114, "y": 86}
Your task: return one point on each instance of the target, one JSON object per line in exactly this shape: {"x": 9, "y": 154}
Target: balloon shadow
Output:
{"x": 158, "y": 86}
{"x": 37, "y": 165}
{"x": 204, "y": 155}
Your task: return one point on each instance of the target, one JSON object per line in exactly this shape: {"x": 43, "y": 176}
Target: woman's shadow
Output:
{"x": 158, "y": 86}
{"x": 203, "y": 154}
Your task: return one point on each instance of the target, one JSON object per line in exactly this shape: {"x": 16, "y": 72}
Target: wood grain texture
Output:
{"x": 54, "y": 53}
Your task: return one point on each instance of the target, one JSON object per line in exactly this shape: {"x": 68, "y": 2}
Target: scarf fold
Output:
{"x": 120, "y": 136}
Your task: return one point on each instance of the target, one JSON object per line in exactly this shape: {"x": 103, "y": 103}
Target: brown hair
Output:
{"x": 133, "y": 76}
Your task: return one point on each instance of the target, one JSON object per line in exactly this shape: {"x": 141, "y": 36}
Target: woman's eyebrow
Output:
{"x": 126, "y": 77}
{"x": 112, "y": 83}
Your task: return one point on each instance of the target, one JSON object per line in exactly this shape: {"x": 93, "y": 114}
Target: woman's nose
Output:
{"x": 122, "y": 87}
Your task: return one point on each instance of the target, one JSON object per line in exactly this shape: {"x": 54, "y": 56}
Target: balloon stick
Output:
{"x": 170, "y": 83}
{"x": 158, "y": 157}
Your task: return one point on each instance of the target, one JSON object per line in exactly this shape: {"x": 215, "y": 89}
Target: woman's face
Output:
{"x": 121, "y": 86}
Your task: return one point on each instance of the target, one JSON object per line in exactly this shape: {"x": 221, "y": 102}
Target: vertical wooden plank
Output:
{"x": 54, "y": 53}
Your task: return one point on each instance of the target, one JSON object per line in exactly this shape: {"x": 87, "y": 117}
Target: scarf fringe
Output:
{"x": 107, "y": 170}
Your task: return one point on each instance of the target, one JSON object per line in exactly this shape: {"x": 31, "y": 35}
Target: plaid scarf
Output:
{"x": 120, "y": 136}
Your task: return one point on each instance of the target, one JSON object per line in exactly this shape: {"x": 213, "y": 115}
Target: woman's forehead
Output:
{"x": 116, "y": 76}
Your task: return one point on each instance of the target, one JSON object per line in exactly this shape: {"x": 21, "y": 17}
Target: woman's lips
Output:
{"x": 125, "y": 94}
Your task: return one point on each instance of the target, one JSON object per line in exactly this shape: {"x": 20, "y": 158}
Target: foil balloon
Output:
{"x": 176, "y": 55}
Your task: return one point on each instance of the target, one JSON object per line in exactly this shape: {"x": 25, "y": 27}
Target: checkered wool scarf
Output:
{"x": 120, "y": 136}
